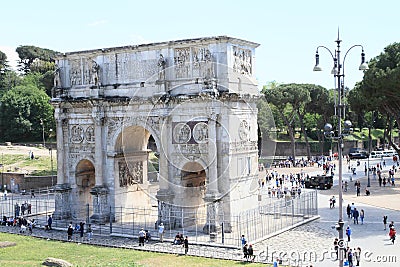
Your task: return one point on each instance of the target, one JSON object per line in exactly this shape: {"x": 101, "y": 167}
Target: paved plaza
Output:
{"x": 308, "y": 244}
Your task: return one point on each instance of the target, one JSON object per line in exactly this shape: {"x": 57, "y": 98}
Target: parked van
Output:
{"x": 376, "y": 154}
{"x": 383, "y": 154}
{"x": 389, "y": 153}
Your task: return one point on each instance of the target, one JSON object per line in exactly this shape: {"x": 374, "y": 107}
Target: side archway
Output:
{"x": 85, "y": 181}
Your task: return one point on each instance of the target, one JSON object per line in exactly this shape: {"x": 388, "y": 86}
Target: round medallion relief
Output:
{"x": 182, "y": 133}
{"x": 200, "y": 132}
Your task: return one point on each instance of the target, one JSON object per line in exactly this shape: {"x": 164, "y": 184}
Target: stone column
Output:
{"x": 212, "y": 186}
{"x": 98, "y": 116}
{"x": 60, "y": 148}
{"x": 101, "y": 210}
{"x": 212, "y": 193}
{"x": 164, "y": 195}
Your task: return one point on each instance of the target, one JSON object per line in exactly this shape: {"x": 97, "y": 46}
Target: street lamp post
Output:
{"x": 338, "y": 72}
{"x": 42, "y": 123}
{"x": 51, "y": 157}
{"x": 369, "y": 154}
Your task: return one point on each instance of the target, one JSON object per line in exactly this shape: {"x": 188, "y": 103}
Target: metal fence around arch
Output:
{"x": 270, "y": 216}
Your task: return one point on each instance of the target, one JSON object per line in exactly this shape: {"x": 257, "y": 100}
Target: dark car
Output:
{"x": 358, "y": 155}
{"x": 319, "y": 182}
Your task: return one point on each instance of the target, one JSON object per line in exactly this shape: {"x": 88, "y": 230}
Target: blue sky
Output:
{"x": 288, "y": 31}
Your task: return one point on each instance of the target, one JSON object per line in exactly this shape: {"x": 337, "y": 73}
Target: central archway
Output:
{"x": 136, "y": 155}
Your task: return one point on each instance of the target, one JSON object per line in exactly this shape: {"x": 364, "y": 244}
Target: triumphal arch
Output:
{"x": 188, "y": 104}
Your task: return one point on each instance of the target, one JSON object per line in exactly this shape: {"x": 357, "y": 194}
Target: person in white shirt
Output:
{"x": 161, "y": 232}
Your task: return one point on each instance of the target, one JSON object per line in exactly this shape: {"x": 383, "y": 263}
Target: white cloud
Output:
{"x": 12, "y": 56}
{"x": 97, "y": 23}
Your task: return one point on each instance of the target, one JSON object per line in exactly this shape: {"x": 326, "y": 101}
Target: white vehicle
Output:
{"x": 376, "y": 154}
{"x": 383, "y": 154}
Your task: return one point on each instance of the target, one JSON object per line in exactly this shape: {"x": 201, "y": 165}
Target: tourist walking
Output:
{"x": 352, "y": 207}
{"x": 243, "y": 240}
{"x": 384, "y": 222}
{"x": 392, "y": 234}
{"x": 70, "y": 232}
{"x": 142, "y": 235}
{"x": 362, "y": 214}
{"x": 336, "y": 247}
{"x": 89, "y": 232}
{"x": 357, "y": 255}
{"x": 161, "y": 232}
{"x": 356, "y": 214}
{"x": 350, "y": 257}
{"x": 186, "y": 245}
{"x": 245, "y": 252}
{"x": 348, "y": 233}
{"x": 81, "y": 229}
{"x": 49, "y": 223}
{"x": 348, "y": 210}
{"x": 250, "y": 253}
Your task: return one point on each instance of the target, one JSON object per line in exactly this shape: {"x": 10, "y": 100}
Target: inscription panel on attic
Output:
{"x": 132, "y": 68}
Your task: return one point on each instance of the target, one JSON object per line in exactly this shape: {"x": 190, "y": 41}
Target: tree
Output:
{"x": 381, "y": 84}
{"x": 4, "y": 68}
{"x": 290, "y": 99}
{"x": 35, "y": 59}
{"x": 319, "y": 111}
{"x": 21, "y": 111}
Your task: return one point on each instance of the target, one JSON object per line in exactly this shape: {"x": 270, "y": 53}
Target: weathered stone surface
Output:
{"x": 56, "y": 262}
{"x": 5, "y": 244}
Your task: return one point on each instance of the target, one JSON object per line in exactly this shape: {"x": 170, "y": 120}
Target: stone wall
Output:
{"x": 16, "y": 182}
{"x": 284, "y": 148}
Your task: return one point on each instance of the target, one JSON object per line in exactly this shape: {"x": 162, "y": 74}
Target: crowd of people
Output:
{"x": 21, "y": 222}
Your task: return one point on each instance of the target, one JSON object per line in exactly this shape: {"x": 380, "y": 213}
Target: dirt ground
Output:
{"x": 23, "y": 150}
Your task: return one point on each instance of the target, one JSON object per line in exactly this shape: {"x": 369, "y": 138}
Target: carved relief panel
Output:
{"x": 182, "y": 62}
{"x": 130, "y": 174}
{"x": 75, "y": 74}
{"x": 193, "y": 62}
{"x": 242, "y": 61}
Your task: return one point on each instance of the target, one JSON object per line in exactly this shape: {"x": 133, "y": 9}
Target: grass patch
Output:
{"x": 30, "y": 251}
{"x": 40, "y": 165}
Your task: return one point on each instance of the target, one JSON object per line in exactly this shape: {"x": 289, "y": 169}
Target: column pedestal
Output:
{"x": 212, "y": 224}
{"x": 101, "y": 209}
{"x": 62, "y": 202}
{"x": 165, "y": 198}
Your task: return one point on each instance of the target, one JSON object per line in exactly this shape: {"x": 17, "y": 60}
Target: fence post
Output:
{"x": 87, "y": 213}
{"x": 222, "y": 234}
{"x": 111, "y": 229}
{"x": 293, "y": 211}
{"x": 183, "y": 227}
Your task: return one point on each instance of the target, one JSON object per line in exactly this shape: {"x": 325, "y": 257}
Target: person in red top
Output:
{"x": 392, "y": 234}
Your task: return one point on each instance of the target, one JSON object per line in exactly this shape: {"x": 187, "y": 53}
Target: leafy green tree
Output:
{"x": 4, "y": 67}
{"x": 21, "y": 111}
{"x": 320, "y": 110}
{"x": 290, "y": 99}
{"x": 33, "y": 58}
{"x": 381, "y": 84}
